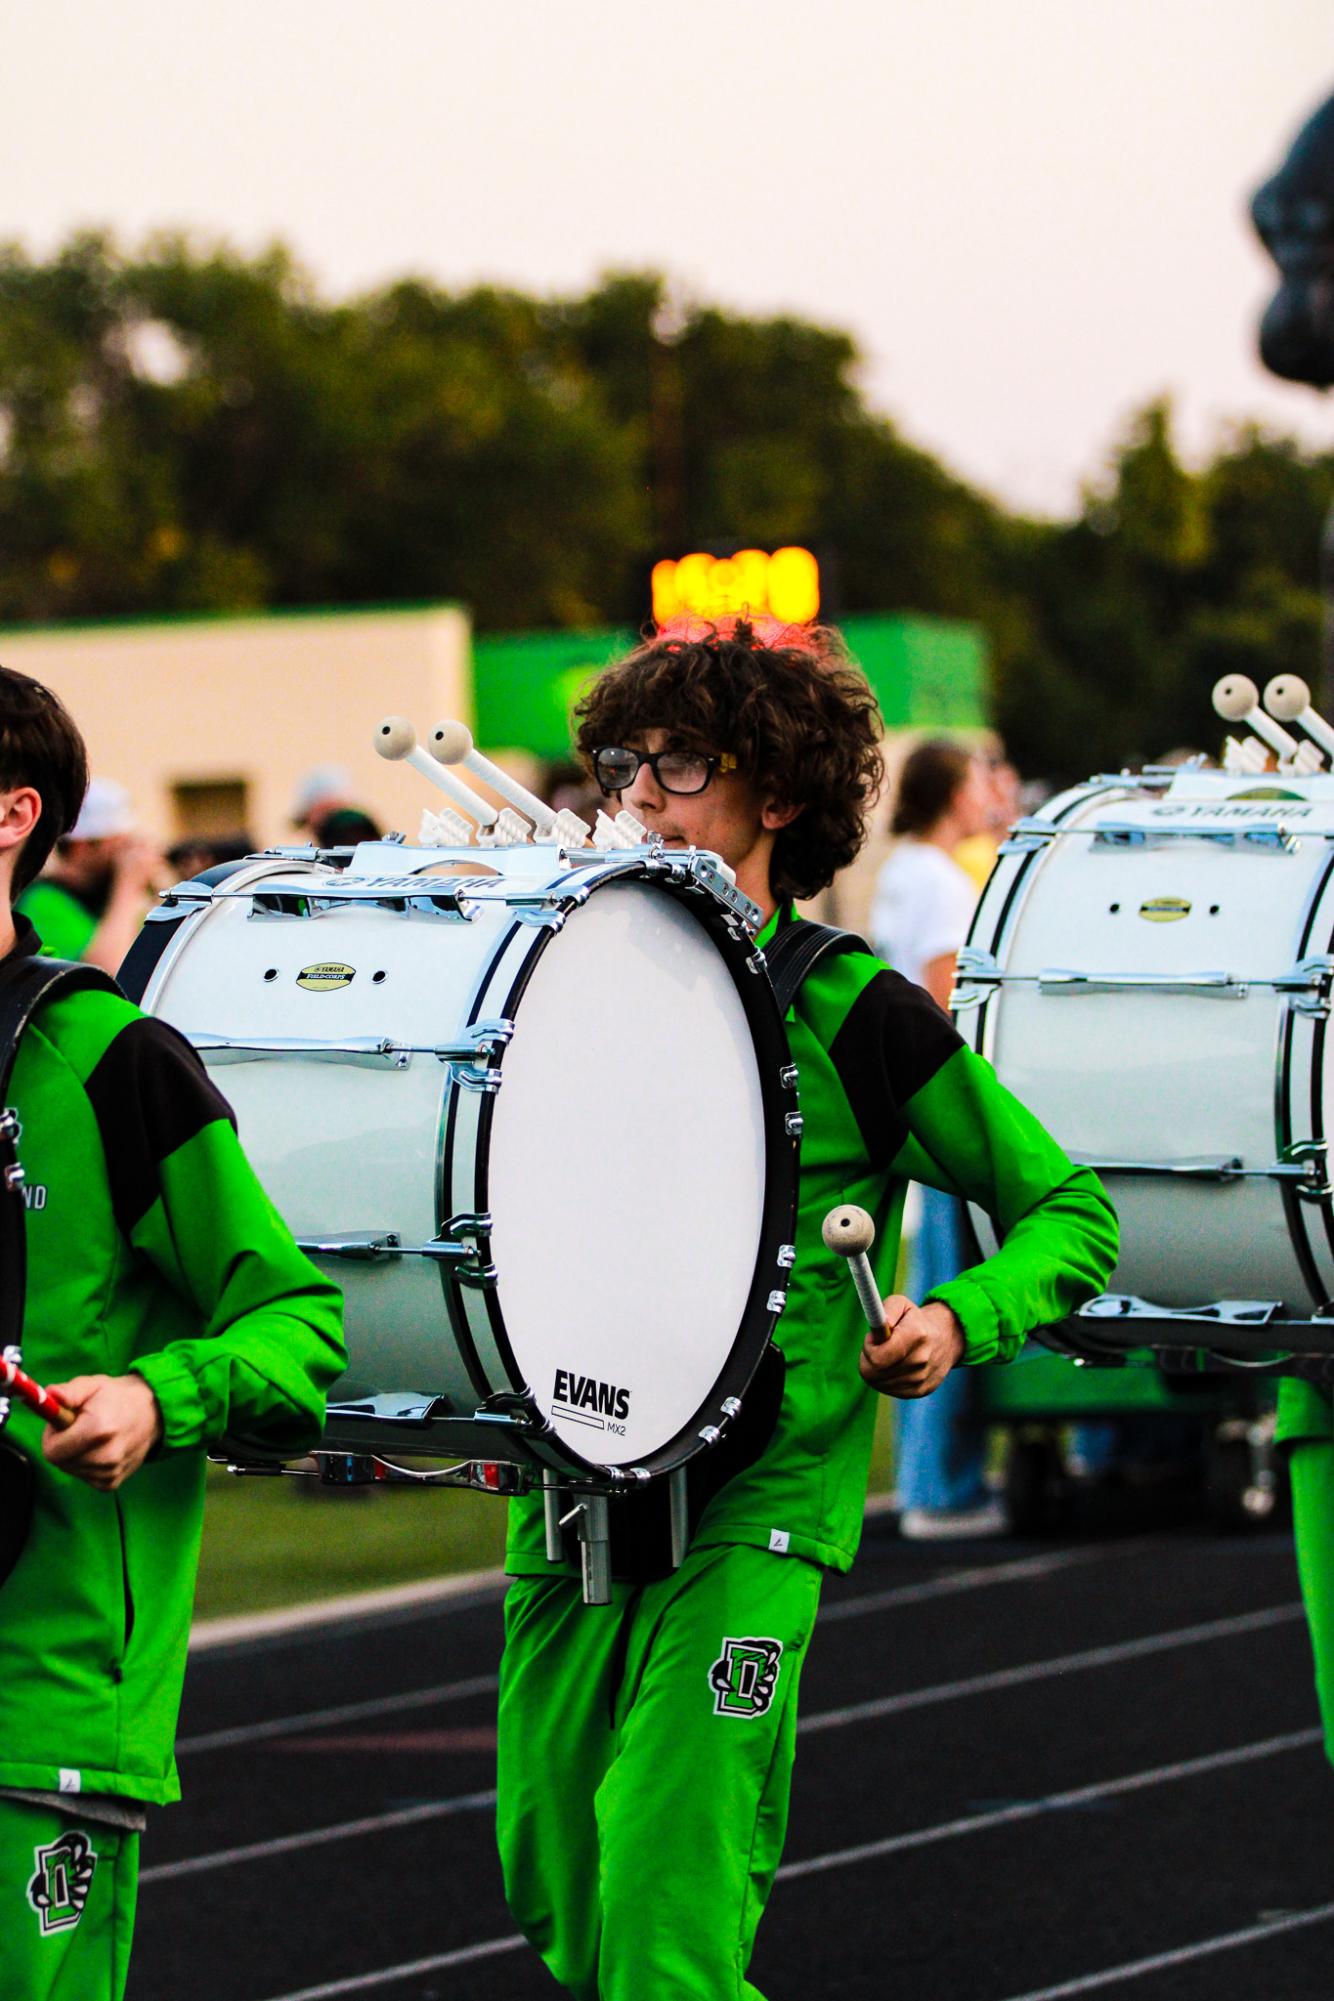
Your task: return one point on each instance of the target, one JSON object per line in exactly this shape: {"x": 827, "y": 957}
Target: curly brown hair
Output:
{"x": 786, "y": 701}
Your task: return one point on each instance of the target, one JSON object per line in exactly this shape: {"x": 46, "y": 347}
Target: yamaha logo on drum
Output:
{"x": 326, "y": 977}
{"x": 589, "y": 1401}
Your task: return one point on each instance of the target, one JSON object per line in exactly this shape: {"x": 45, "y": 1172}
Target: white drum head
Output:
{"x": 626, "y": 1175}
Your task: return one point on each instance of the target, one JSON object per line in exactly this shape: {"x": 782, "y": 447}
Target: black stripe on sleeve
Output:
{"x": 150, "y": 1094}
{"x": 892, "y": 1041}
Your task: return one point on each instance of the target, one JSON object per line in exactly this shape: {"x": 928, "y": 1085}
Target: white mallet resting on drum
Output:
{"x": 396, "y": 739}
{"x": 452, "y": 743}
{"x": 1288, "y": 697}
{"x": 1237, "y": 699}
{"x": 851, "y": 1232}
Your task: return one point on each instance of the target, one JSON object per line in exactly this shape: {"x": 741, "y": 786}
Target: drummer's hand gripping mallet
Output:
{"x": 851, "y": 1232}
{"x": 21, "y": 1385}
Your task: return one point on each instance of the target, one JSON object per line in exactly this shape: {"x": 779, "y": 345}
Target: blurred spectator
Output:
{"x": 198, "y": 852}
{"x": 90, "y": 901}
{"x": 321, "y": 790}
{"x": 976, "y": 853}
{"x": 344, "y": 827}
{"x": 920, "y": 917}
{"x": 567, "y": 787}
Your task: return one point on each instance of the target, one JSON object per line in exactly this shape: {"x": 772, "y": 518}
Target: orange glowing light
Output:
{"x": 784, "y": 585}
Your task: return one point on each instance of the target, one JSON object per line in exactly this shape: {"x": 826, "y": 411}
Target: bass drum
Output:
{"x": 534, "y": 1112}
{"x": 1149, "y": 970}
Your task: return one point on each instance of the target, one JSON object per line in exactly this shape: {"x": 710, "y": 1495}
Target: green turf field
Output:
{"x": 267, "y": 1542}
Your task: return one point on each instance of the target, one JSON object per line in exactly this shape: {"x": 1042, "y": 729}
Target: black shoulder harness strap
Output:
{"x": 24, "y": 985}
{"x": 797, "y": 949}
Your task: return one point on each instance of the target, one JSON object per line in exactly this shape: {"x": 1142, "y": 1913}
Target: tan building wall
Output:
{"x": 183, "y": 712}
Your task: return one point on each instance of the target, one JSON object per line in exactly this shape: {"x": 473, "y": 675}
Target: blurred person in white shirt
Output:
{"x": 920, "y": 916}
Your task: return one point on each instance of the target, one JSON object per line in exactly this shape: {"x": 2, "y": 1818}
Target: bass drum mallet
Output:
{"x": 851, "y": 1232}
{"x": 17, "y": 1383}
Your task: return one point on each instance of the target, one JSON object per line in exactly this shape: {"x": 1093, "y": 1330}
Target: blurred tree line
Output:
{"x": 186, "y": 429}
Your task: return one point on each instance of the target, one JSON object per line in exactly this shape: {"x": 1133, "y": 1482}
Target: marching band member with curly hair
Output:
{"x": 646, "y": 1747}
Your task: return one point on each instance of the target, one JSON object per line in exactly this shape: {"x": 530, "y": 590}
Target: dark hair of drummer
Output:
{"x": 785, "y": 700}
{"x": 40, "y": 745}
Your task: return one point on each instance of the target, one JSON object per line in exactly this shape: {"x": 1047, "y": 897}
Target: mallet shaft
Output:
{"x": 453, "y": 788}
{"x": 12, "y": 1377}
{"x": 868, "y": 1291}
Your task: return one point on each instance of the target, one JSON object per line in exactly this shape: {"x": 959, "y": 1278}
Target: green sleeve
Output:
{"x": 970, "y": 1137}
{"x": 61, "y": 922}
{"x": 270, "y": 1340}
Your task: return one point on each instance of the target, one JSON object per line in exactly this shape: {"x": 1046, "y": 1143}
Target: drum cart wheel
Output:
{"x": 1244, "y": 1484}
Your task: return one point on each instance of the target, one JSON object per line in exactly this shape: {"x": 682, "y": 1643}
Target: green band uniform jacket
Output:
{"x": 151, "y": 1248}
{"x": 64, "y": 923}
{"x": 890, "y": 1094}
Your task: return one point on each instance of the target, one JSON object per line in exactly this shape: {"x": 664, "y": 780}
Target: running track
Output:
{"x": 1026, "y": 1771}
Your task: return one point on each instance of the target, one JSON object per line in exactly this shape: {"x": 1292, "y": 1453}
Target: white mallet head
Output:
{"x": 1287, "y": 697}
{"x": 451, "y": 742}
{"x": 395, "y": 737}
{"x": 1235, "y": 697}
{"x": 849, "y": 1230}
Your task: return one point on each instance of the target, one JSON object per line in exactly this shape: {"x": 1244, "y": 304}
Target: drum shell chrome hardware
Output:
{"x": 1210, "y": 1122}
{"x": 390, "y": 1122}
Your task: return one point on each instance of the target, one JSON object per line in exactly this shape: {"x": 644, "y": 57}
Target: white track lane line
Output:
{"x": 342, "y": 1712}
{"x": 1018, "y": 1677}
{"x": 1225, "y": 1942}
{"x": 345, "y": 1830}
{"x": 1022, "y": 1570}
{"x": 916, "y": 1698}
{"x": 973, "y": 1579}
{"x": 920, "y": 1838}
{"x": 1005, "y": 1816}
{"x": 490, "y": 1948}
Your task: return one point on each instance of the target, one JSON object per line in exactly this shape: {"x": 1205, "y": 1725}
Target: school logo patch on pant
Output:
{"x": 744, "y": 1679}
{"x": 64, "y": 1876}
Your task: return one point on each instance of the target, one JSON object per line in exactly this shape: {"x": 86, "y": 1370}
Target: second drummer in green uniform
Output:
{"x": 763, "y": 748}
{"x": 1306, "y": 1430}
{"x": 167, "y": 1305}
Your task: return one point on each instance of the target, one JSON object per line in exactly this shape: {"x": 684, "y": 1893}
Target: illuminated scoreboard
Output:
{"x": 784, "y": 585}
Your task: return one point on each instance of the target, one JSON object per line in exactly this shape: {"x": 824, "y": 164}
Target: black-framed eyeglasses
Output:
{"x": 616, "y": 769}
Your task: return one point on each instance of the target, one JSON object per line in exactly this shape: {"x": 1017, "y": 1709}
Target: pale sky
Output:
{"x": 1030, "y": 213}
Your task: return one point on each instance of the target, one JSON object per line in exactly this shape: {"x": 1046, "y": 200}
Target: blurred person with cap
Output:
{"x": 344, "y": 828}
{"x": 90, "y": 902}
{"x": 323, "y": 790}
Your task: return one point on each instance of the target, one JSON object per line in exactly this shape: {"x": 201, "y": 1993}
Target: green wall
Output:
{"x": 927, "y": 674}
{"x": 526, "y": 683}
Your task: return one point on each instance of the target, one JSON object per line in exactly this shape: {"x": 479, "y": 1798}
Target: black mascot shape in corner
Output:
{"x": 1294, "y": 214}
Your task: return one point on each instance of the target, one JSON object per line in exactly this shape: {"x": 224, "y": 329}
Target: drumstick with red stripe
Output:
{"x": 13, "y": 1378}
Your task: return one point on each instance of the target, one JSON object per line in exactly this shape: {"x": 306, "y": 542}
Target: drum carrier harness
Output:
{"x": 25, "y": 985}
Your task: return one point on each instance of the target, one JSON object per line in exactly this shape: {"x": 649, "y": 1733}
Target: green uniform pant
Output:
{"x": 67, "y": 1895}
{"x": 645, "y": 1760}
{"x": 1311, "y": 1464}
